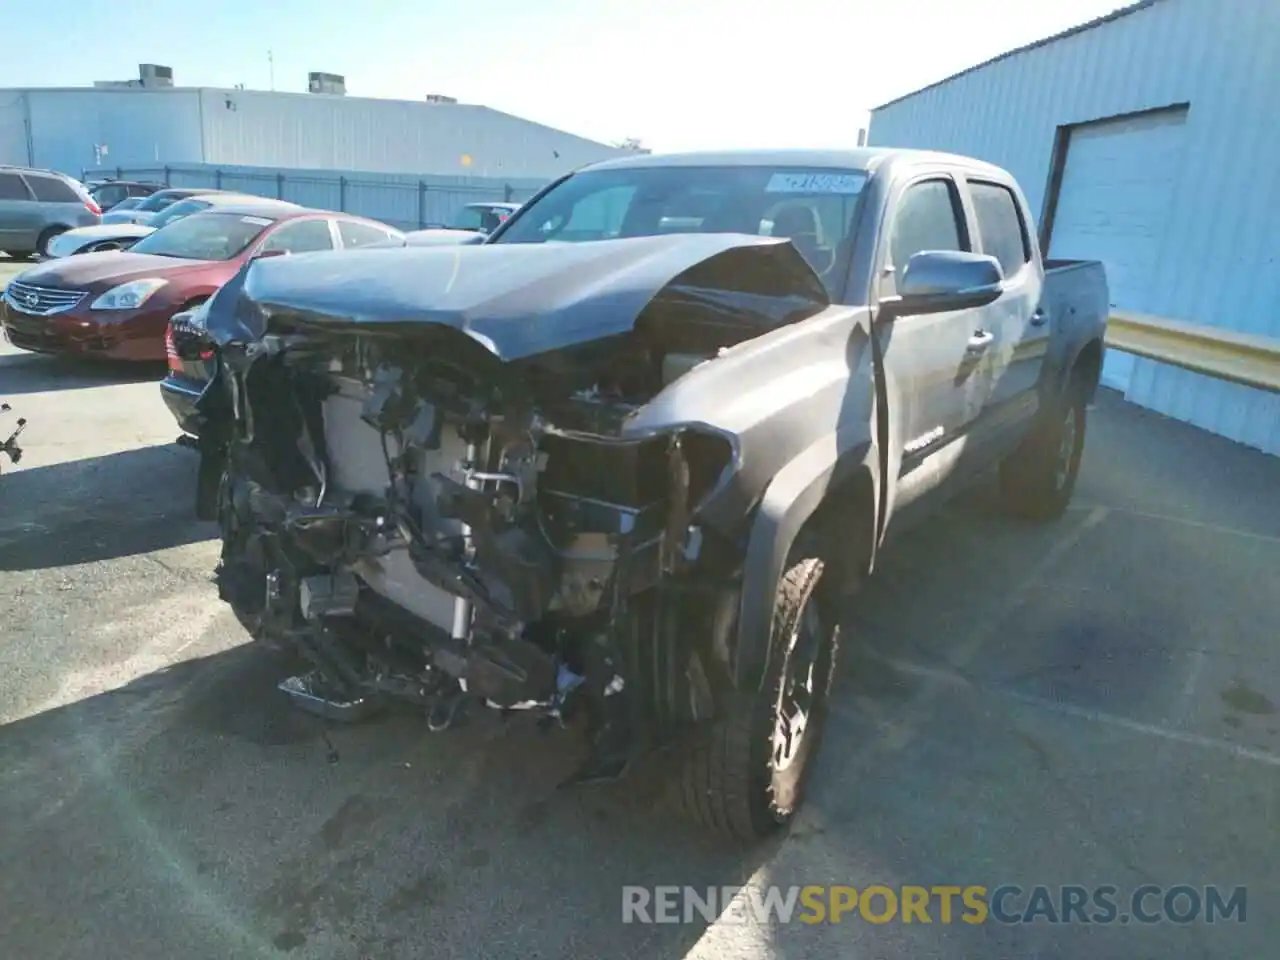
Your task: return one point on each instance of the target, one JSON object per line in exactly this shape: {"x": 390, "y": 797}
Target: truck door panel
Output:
{"x": 928, "y": 360}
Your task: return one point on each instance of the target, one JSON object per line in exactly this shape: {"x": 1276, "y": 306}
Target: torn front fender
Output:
{"x": 792, "y": 499}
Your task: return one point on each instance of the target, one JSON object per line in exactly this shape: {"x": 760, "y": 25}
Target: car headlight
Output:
{"x": 128, "y": 296}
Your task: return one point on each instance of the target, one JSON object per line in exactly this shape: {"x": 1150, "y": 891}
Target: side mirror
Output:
{"x": 937, "y": 281}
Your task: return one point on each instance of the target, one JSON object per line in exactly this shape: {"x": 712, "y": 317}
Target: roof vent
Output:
{"x": 333, "y": 83}
{"x": 440, "y": 98}
{"x": 154, "y": 75}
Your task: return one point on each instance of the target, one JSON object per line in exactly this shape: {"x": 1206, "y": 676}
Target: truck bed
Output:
{"x": 1075, "y": 287}
{"x": 1078, "y": 301}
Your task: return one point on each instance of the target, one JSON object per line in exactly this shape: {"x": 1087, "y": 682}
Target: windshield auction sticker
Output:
{"x": 808, "y": 182}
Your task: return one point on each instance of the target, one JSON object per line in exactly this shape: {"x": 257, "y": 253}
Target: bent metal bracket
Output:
{"x": 10, "y": 445}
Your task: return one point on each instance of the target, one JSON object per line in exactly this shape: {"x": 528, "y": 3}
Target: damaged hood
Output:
{"x": 519, "y": 300}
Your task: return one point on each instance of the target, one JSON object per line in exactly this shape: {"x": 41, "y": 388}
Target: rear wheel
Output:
{"x": 746, "y": 771}
{"x": 1039, "y": 478}
{"x": 42, "y": 242}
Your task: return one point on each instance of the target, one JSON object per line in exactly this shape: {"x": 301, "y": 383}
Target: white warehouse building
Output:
{"x": 1146, "y": 139}
{"x": 148, "y": 122}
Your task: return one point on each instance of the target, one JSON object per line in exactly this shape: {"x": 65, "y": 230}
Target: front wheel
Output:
{"x": 45, "y": 238}
{"x": 1039, "y": 478}
{"x": 746, "y": 771}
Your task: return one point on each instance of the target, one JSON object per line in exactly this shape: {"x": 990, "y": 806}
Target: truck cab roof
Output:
{"x": 868, "y": 159}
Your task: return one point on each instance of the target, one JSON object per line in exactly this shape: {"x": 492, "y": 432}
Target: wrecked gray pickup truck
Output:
{"x": 623, "y": 459}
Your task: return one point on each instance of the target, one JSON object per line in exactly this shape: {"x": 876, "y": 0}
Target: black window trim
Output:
{"x": 1028, "y": 253}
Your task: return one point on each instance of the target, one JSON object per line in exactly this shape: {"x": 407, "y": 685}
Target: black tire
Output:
{"x": 733, "y": 781}
{"x": 1039, "y": 478}
{"x": 42, "y": 242}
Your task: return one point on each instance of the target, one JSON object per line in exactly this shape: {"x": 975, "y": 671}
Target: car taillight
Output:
{"x": 92, "y": 206}
{"x": 171, "y": 351}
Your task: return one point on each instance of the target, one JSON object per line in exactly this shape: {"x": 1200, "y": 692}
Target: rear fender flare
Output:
{"x": 1084, "y": 369}
{"x": 792, "y": 497}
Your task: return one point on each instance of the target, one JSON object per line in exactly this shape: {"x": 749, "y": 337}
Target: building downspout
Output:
{"x": 200, "y": 113}
{"x": 26, "y": 127}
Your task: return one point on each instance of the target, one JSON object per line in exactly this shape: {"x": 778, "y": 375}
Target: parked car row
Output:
{"x": 117, "y": 303}
{"x": 120, "y": 234}
{"x": 112, "y": 194}
{"x": 37, "y": 205}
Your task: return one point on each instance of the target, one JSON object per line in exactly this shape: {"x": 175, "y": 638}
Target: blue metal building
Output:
{"x": 75, "y": 129}
{"x": 1146, "y": 139}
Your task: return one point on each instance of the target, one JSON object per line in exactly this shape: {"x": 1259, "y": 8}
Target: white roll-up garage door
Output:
{"x": 1118, "y": 186}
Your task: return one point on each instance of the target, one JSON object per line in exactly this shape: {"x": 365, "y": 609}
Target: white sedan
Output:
{"x": 121, "y": 236}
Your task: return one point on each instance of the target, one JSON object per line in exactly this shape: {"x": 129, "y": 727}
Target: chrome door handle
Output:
{"x": 981, "y": 339}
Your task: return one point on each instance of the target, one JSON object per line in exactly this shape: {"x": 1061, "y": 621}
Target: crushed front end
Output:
{"x": 438, "y": 516}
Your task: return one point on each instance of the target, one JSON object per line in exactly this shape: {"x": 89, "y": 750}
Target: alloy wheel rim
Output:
{"x": 796, "y": 701}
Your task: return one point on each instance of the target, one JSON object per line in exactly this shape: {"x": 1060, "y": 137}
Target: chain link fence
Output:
{"x": 401, "y": 200}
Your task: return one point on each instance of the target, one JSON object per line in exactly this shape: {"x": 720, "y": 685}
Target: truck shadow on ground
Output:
{"x": 28, "y": 373}
{"x": 100, "y": 508}
{"x": 200, "y": 795}
{"x": 258, "y": 828}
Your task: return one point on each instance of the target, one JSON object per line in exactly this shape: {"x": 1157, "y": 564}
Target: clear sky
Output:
{"x": 678, "y": 74}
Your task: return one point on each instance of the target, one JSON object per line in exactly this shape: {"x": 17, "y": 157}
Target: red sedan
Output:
{"x": 117, "y": 304}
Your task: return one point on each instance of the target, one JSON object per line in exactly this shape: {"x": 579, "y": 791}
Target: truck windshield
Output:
{"x": 204, "y": 236}
{"x": 812, "y": 207}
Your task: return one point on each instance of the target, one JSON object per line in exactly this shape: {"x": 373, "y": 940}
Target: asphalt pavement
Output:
{"x": 1090, "y": 702}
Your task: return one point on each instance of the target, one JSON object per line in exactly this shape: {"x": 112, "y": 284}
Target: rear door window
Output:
{"x": 1000, "y": 225}
{"x": 12, "y": 187}
{"x": 301, "y": 236}
{"x": 52, "y": 189}
{"x": 356, "y": 234}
